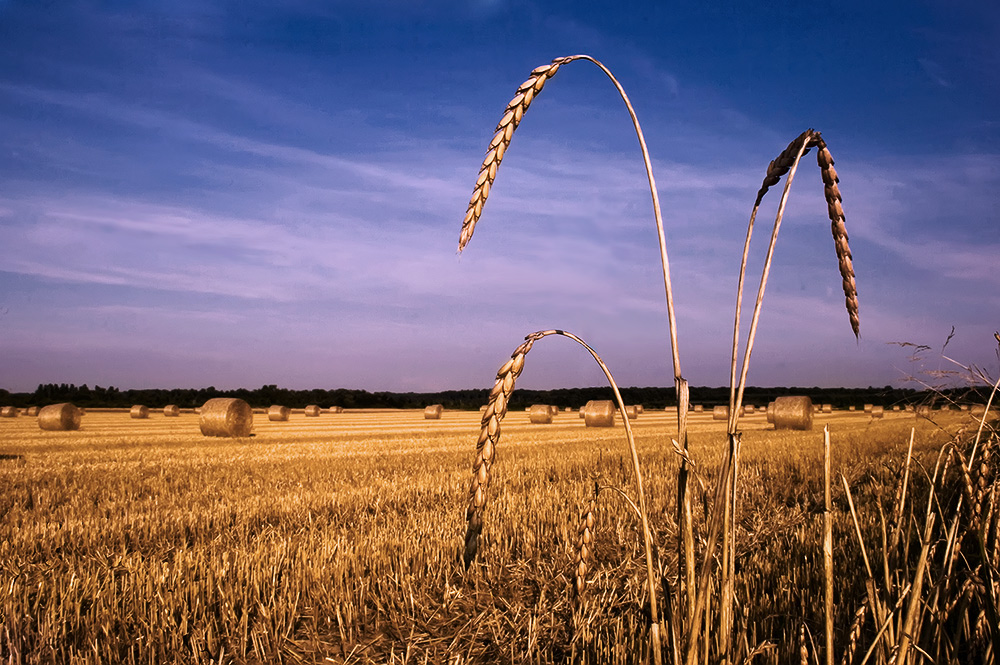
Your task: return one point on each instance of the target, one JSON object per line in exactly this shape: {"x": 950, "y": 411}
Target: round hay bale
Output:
{"x": 336, "y": 409}
{"x": 908, "y": 408}
{"x": 138, "y": 411}
{"x": 770, "y": 412}
{"x": 978, "y": 410}
{"x": 896, "y": 407}
{"x": 9, "y": 412}
{"x": 553, "y": 409}
{"x": 963, "y": 407}
{"x": 852, "y": 408}
{"x": 59, "y": 417}
{"x": 720, "y": 412}
{"x": 433, "y": 412}
{"x": 923, "y": 411}
{"x": 583, "y": 410}
{"x": 749, "y": 409}
{"x": 638, "y": 408}
{"x": 632, "y": 412}
{"x": 828, "y": 408}
{"x": 793, "y": 413}
{"x": 869, "y": 407}
{"x": 568, "y": 409}
{"x": 312, "y": 411}
{"x": 226, "y": 416}
{"x": 878, "y": 411}
{"x": 31, "y": 411}
{"x": 698, "y": 408}
{"x": 278, "y": 414}
{"x": 600, "y": 413}
{"x": 483, "y": 407}
{"x": 540, "y": 414}
{"x": 171, "y": 410}
{"x": 197, "y": 410}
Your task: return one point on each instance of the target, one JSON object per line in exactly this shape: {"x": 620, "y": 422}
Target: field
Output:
{"x": 338, "y": 538}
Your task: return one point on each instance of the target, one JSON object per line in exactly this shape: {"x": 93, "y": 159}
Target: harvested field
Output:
{"x": 318, "y": 539}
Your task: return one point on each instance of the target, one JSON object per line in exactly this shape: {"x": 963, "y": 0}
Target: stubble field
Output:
{"x": 338, "y": 538}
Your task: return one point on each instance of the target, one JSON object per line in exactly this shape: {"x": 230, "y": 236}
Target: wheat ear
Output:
{"x": 834, "y": 204}
{"x": 486, "y": 446}
{"x": 501, "y": 140}
{"x": 585, "y": 546}
{"x": 839, "y": 229}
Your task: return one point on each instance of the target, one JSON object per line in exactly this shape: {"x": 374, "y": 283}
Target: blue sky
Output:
{"x": 246, "y": 193}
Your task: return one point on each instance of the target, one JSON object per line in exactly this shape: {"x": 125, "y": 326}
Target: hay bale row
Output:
{"x": 794, "y": 413}
{"x": 433, "y": 412}
{"x": 226, "y": 416}
{"x": 599, "y": 413}
{"x": 540, "y": 414}
{"x": 59, "y": 417}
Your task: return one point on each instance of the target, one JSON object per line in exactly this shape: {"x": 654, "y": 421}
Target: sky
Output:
{"x": 233, "y": 194}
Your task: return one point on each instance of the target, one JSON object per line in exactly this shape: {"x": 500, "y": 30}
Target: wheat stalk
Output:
{"x": 489, "y": 436}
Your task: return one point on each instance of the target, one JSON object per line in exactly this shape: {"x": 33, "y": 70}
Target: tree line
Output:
{"x": 650, "y": 397}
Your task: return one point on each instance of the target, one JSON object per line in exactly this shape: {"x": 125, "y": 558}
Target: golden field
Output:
{"x": 338, "y": 538}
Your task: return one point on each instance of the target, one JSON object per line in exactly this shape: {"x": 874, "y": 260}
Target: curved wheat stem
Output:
{"x": 489, "y": 436}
